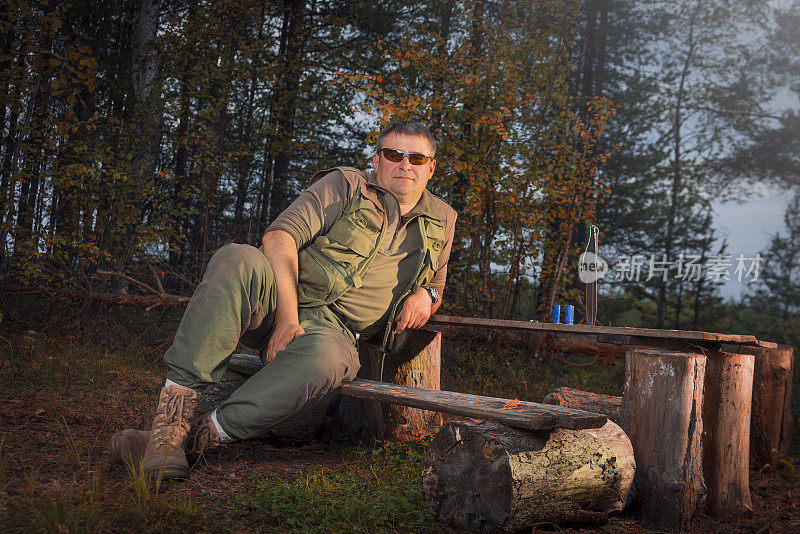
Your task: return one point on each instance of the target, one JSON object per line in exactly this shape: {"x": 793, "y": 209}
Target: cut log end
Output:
{"x": 607, "y": 405}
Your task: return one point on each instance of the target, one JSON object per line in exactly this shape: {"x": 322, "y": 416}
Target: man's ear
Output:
{"x": 433, "y": 165}
{"x": 375, "y": 159}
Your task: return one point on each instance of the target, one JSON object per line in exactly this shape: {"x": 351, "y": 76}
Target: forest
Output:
{"x": 137, "y": 137}
{"x": 145, "y": 134}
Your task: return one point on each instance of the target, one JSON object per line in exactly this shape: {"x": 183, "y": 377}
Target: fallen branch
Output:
{"x": 172, "y": 301}
{"x": 133, "y": 280}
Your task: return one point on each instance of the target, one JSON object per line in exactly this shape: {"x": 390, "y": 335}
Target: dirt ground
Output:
{"x": 61, "y": 401}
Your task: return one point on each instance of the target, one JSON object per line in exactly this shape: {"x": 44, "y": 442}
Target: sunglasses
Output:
{"x": 414, "y": 158}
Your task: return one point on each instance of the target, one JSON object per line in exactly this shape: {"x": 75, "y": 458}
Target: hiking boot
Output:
{"x": 164, "y": 454}
{"x": 202, "y": 436}
{"x": 128, "y": 446}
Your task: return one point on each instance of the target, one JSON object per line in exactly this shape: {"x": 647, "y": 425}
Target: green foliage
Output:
{"x": 509, "y": 372}
{"x": 517, "y": 161}
{"x": 380, "y": 493}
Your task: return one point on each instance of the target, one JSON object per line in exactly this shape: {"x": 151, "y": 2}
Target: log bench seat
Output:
{"x": 514, "y": 413}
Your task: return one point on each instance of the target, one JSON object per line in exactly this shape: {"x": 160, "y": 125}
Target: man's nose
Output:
{"x": 404, "y": 163}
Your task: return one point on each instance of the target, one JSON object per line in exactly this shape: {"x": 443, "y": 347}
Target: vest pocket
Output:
{"x": 314, "y": 280}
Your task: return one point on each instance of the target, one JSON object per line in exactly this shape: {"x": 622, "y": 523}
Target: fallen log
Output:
{"x": 607, "y": 405}
{"x": 771, "y": 414}
{"x": 661, "y": 413}
{"x": 485, "y": 477}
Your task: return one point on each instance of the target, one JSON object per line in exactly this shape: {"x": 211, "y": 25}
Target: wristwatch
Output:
{"x": 433, "y": 293}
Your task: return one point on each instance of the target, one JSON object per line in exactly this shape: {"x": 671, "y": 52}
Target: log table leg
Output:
{"x": 726, "y": 440}
{"x": 661, "y": 413}
{"x": 419, "y": 365}
{"x": 484, "y": 477}
{"x": 771, "y": 414}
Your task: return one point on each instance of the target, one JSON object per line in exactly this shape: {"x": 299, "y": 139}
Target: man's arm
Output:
{"x": 281, "y": 252}
{"x": 418, "y": 307}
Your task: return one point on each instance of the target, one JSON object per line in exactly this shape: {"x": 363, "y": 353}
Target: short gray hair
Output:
{"x": 411, "y": 128}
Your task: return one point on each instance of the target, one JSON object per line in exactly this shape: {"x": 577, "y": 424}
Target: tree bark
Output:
{"x": 583, "y": 400}
{"x": 419, "y": 365}
{"x": 285, "y": 95}
{"x": 144, "y": 59}
{"x": 484, "y": 477}
{"x": 661, "y": 412}
{"x": 726, "y": 439}
{"x": 771, "y": 414}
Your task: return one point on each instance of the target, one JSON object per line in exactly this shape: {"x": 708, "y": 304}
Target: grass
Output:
{"x": 379, "y": 492}
{"x": 65, "y": 394}
{"x": 511, "y": 373}
{"x": 68, "y": 393}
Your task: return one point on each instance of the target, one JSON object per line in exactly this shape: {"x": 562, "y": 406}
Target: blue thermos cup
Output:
{"x": 569, "y": 314}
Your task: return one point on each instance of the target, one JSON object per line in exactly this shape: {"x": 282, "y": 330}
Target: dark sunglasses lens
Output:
{"x": 417, "y": 159}
{"x": 392, "y": 155}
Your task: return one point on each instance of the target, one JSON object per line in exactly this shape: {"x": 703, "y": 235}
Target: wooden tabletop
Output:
{"x": 627, "y": 331}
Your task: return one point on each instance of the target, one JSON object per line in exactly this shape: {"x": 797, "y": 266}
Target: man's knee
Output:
{"x": 234, "y": 258}
{"x": 332, "y": 358}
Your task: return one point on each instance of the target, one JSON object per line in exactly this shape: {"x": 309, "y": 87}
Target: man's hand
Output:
{"x": 280, "y": 339}
{"x": 415, "y": 312}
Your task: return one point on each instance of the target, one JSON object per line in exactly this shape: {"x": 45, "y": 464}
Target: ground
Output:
{"x": 64, "y": 393}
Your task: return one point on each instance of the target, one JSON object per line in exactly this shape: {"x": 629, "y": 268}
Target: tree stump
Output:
{"x": 661, "y": 413}
{"x": 726, "y": 439}
{"x": 488, "y": 478}
{"x": 419, "y": 365}
{"x": 607, "y": 405}
{"x": 771, "y": 414}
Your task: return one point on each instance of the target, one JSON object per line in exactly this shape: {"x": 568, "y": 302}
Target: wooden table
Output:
{"x": 611, "y": 335}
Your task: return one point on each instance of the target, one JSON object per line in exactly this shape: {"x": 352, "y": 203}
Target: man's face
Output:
{"x": 404, "y": 180}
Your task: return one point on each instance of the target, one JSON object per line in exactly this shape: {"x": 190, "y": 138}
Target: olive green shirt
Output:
{"x": 366, "y": 308}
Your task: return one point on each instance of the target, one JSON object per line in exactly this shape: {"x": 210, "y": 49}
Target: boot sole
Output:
{"x": 168, "y": 472}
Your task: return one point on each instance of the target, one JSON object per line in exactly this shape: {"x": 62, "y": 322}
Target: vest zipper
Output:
{"x": 407, "y": 290}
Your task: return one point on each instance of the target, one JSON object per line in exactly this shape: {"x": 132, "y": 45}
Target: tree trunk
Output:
{"x": 726, "y": 439}
{"x": 583, "y": 400}
{"x": 488, "y": 478}
{"x": 285, "y": 96}
{"x": 418, "y": 365}
{"x": 144, "y": 58}
{"x": 771, "y": 414}
{"x": 661, "y": 412}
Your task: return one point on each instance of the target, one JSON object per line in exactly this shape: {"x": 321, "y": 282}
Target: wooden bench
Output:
{"x": 544, "y": 463}
{"x": 710, "y": 392}
{"x": 515, "y": 413}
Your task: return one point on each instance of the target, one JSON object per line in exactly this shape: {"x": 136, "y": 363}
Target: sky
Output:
{"x": 748, "y": 227}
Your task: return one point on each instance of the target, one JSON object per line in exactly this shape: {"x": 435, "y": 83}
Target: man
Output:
{"x": 356, "y": 256}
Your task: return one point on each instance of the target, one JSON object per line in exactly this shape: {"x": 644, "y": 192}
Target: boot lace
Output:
{"x": 203, "y": 437}
{"x": 172, "y": 421}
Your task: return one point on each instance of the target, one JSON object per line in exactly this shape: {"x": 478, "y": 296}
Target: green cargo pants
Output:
{"x": 236, "y": 301}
